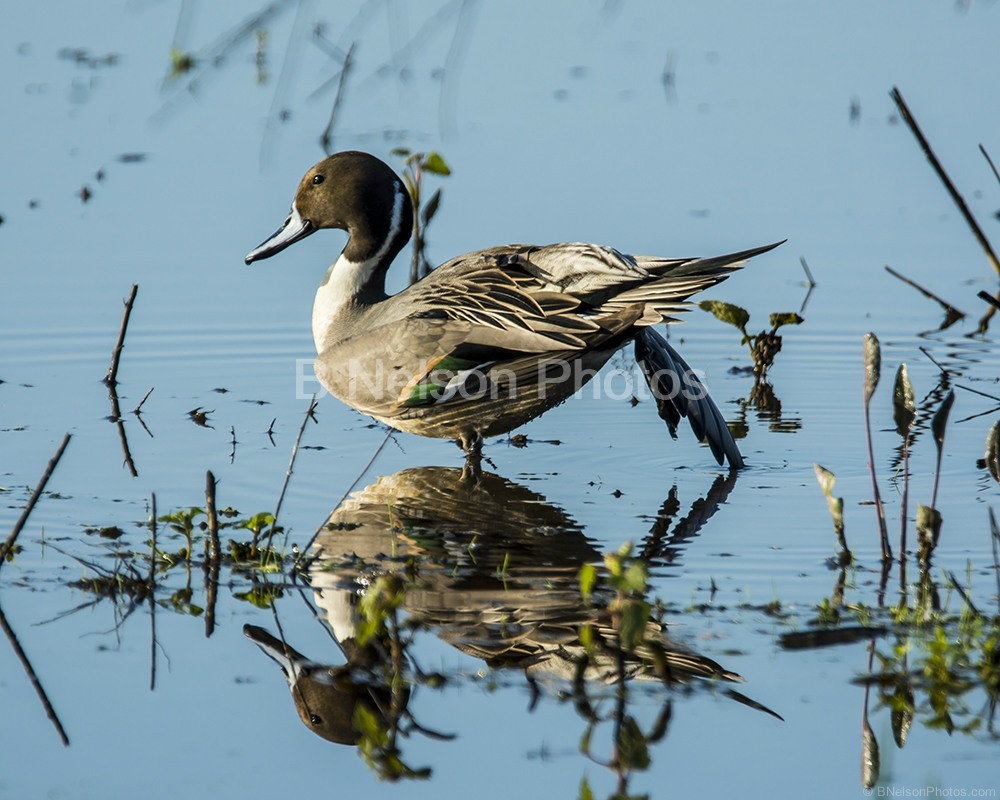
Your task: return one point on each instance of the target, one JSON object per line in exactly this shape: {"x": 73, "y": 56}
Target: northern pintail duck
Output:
{"x": 491, "y": 339}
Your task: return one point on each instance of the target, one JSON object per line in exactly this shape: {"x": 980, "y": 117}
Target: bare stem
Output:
{"x": 288, "y": 472}
{"x": 30, "y": 672}
{"x": 6, "y": 547}
{"x": 213, "y": 519}
{"x": 906, "y": 497}
{"x": 879, "y": 509}
{"x": 111, "y": 378}
{"x": 955, "y": 196}
{"x": 152, "y": 593}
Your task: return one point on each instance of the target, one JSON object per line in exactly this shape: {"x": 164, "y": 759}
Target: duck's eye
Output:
{"x": 315, "y": 719}
{"x": 318, "y": 179}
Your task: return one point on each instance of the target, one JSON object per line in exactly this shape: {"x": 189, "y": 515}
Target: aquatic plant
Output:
{"x": 763, "y": 346}
{"x": 416, "y": 165}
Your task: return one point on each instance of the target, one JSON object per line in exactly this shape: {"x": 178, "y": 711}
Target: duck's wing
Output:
{"x": 586, "y": 272}
{"x": 493, "y": 292}
{"x": 577, "y": 278}
{"x": 676, "y": 279}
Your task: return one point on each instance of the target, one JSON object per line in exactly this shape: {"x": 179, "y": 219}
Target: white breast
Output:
{"x": 345, "y": 279}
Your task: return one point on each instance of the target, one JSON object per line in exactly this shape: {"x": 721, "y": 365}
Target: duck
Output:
{"x": 491, "y": 339}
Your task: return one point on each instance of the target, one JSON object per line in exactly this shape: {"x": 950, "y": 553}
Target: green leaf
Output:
{"x": 940, "y": 421}
{"x": 785, "y": 318}
{"x": 993, "y": 451}
{"x": 903, "y": 705}
{"x": 433, "y": 162}
{"x": 635, "y": 578}
{"x": 873, "y": 364}
{"x": 256, "y": 523}
{"x": 402, "y": 152}
{"x": 635, "y": 614}
{"x": 726, "y": 312}
{"x": 826, "y": 479}
{"x": 585, "y": 792}
{"x": 588, "y": 577}
{"x": 369, "y": 726}
{"x": 633, "y": 751}
{"x": 431, "y": 208}
{"x": 904, "y": 410}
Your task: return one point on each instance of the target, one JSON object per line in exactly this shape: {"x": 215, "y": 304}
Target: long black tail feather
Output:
{"x": 680, "y": 393}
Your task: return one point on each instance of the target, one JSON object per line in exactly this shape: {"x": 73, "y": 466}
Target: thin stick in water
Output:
{"x": 808, "y": 272}
{"x": 993, "y": 301}
{"x": 50, "y": 712}
{"x": 990, "y": 162}
{"x": 873, "y": 369}
{"x": 327, "y": 134}
{"x": 152, "y": 593}
{"x": 288, "y": 472}
{"x": 350, "y": 489}
{"x": 6, "y": 547}
{"x": 995, "y": 542}
{"x": 955, "y": 196}
{"x": 952, "y": 314}
{"x": 902, "y": 513}
{"x": 214, "y": 550}
{"x": 962, "y": 593}
{"x": 112, "y": 377}
{"x": 145, "y": 397}
{"x": 214, "y": 555}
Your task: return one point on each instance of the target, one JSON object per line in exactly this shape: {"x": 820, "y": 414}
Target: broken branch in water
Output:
{"x": 5, "y": 548}
{"x": 111, "y": 378}
{"x": 955, "y": 196}
{"x": 30, "y": 672}
{"x": 990, "y": 162}
{"x": 145, "y": 397}
{"x": 288, "y": 472}
{"x": 152, "y": 592}
{"x": 951, "y": 314}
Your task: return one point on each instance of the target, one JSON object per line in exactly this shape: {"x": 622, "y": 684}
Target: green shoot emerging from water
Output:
{"x": 836, "y": 504}
{"x": 763, "y": 346}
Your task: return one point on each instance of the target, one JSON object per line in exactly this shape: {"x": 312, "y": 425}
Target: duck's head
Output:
{"x": 351, "y": 191}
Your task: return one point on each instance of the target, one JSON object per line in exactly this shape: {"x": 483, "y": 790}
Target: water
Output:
{"x": 558, "y": 126}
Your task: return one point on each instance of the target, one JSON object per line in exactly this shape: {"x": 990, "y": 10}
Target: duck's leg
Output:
{"x": 472, "y": 469}
{"x": 471, "y": 444}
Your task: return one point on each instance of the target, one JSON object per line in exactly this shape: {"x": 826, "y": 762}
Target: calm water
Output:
{"x": 559, "y": 125}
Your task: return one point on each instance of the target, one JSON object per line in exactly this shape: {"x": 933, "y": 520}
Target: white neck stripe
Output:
{"x": 345, "y": 279}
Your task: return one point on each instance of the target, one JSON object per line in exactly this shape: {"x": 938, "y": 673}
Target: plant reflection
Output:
{"x": 503, "y": 576}
{"x": 937, "y": 664}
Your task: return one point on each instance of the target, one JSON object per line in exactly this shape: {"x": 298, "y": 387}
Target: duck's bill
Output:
{"x": 295, "y": 228}
{"x": 273, "y": 647}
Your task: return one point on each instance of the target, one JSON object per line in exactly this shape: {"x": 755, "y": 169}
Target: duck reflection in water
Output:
{"x": 493, "y": 570}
